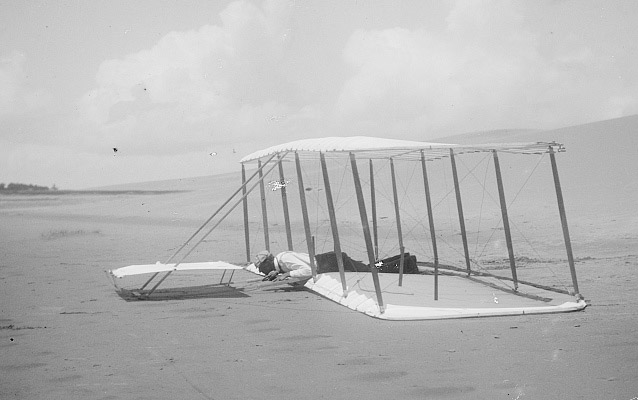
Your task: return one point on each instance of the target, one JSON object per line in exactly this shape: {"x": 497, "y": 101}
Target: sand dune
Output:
{"x": 600, "y": 157}
{"x": 598, "y": 175}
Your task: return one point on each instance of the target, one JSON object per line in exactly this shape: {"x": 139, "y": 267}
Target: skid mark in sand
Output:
{"x": 19, "y": 328}
{"x": 380, "y": 376}
{"x": 440, "y": 392}
{"x": 67, "y": 378}
{"x": 263, "y": 330}
{"x": 22, "y": 367}
{"x": 256, "y": 321}
{"x": 59, "y": 234}
{"x": 197, "y": 317}
{"x": 326, "y": 348}
{"x": 306, "y": 337}
{"x": 363, "y": 360}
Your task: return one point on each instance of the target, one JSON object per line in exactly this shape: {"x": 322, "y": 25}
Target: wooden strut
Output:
{"x": 222, "y": 278}
{"x": 264, "y": 212}
{"x": 245, "y": 207}
{"x": 373, "y": 205}
{"x": 366, "y": 232}
{"x": 563, "y": 220}
{"x": 284, "y": 202}
{"x": 506, "y": 222}
{"x": 459, "y": 206}
{"x": 243, "y": 187}
{"x": 333, "y": 223}
{"x": 398, "y": 219}
{"x": 216, "y": 225}
{"x": 428, "y": 201}
{"x": 310, "y": 242}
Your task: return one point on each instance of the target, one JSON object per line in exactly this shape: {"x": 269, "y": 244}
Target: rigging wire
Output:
{"x": 511, "y": 203}
{"x": 527, "y": 180}
{"x": 478, "y": 228}
{"x": 412, "y": 214}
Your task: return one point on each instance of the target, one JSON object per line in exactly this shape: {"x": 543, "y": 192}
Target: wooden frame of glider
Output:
{"x": 371, "y": 239}
{"x": 375, "y": 149}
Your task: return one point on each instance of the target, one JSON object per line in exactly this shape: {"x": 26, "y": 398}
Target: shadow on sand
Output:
{"x": 183, "y": 293}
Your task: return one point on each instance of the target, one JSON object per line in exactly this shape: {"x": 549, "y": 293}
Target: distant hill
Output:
{"x": 495, "y": 136}
{"x": 599, "y": 169}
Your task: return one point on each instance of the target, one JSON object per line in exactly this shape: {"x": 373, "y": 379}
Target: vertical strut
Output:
{"x": 506, "y": 222}
{"x": 366, "y": 232}
{"x": 306, "y": 222}
{"x": 563, "y": 220}
{"x": 459, "y": 206}
{"x": 373, "y": 201}
{"x": 428, "y": 201}
{"x": 245, "y": 201}
{"x": 333, "y": 223}
{"x": 398, "y": 219}
{"x": 264, "y": 212}
{"x": 284, "y": 201}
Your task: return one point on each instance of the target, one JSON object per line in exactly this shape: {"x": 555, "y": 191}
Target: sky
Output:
{"x": 187, "y": 88}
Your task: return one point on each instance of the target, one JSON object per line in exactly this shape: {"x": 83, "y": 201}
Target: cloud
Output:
{"x": 16, "y": 97}
{"x": 217, "y": 83}
{"x": 233, "y": 82}
{"x": 486, "y": 70}
{"x": 10, "y": 68}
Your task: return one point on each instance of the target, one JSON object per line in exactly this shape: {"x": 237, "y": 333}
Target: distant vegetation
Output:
{"x": 59, "y": 234}
{"x": 24, "y": 189}
{"x": 21, "y": 187}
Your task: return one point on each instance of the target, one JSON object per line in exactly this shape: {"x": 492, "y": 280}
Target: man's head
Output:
{"x": 265, "y": 262}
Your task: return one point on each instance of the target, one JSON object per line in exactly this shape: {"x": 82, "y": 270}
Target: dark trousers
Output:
{"x": 327, "y": 262}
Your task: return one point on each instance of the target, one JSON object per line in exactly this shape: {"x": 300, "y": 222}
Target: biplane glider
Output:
{"x": 458, "y": 224}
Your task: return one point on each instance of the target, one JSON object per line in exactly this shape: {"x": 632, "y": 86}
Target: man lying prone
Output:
{"x": 290, "y": 264}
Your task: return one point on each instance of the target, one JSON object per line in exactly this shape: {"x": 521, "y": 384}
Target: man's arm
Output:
{"x": 297, "y": 264}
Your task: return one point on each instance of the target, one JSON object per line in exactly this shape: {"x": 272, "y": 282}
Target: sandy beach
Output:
{"x": 66, "y": 334}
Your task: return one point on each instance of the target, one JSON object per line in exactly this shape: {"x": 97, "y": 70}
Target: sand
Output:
{"x": 65, "y": 333}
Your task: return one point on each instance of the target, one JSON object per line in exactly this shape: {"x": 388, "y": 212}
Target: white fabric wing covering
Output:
{"x": 159, "y": 267}
{"x": 375, "y": 148}
{"x": 356, "y": 144}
